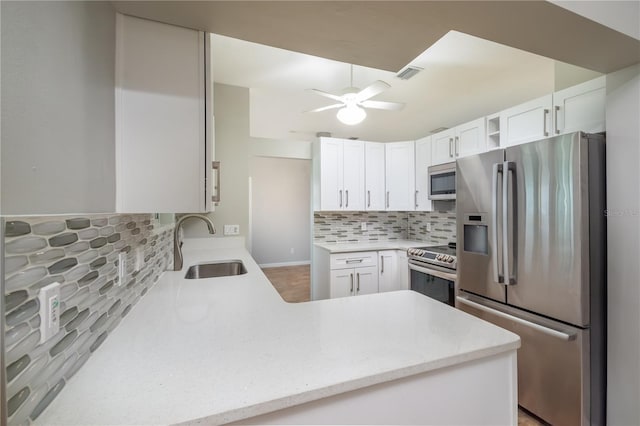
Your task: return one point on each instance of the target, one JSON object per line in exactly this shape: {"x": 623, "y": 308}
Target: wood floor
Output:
{"x": 293, "y": 283}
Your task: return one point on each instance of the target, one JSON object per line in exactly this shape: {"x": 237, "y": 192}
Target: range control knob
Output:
{"x": 450, "y": 259}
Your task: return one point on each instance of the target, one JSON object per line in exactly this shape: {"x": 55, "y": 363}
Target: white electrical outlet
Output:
{"x": 293, "y": 250}
{"x": 122, "y": 268}
{"x": 363, "y": 226}
{"x": 139, "y": 258}
{"x": 49, "y": 298}
{"x": 231, "y": 229}
{"x": 428, "y": 226}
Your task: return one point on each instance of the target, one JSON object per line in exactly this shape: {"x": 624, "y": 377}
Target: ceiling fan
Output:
{"x": 353, "y": 101}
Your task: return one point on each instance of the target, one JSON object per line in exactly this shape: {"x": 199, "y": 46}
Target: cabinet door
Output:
{"x": 423, "y": 161}
{"x": 526, "y": 122}
{"x": 400, "y": 175}
{"x": 342, "y": 283}
{"x": 470, "y": 138}
{"x": 442, "y": 147}
{"x": 366, "y": 280}
{"x": 331, "y": 187}
{"x": 353, "y": 183}
{"x": 403, "y": 269}
{"x": 374, "y": 176}
{"x": 388, "y": 271}
{"x": 581, "y": 107}
{"x": 162, "y": 156}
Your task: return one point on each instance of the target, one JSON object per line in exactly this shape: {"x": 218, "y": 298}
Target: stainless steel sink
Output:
{"x": 224, "y": 268}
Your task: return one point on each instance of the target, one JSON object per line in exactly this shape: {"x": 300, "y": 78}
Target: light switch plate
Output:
{"x": 49, "y": 298}
{"x": 363, "y": 226}
{"x": 231, "y": 229}
{"x": 139, "y": 258}
{"x": 428, "y": 226}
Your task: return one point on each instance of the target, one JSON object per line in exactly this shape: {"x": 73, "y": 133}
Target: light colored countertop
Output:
{"x": 223, "y": 349}
{"x": 371, "y": 246}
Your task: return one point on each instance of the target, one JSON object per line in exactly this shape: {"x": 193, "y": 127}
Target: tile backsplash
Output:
{"x": 337, "y": 227}
{"x": 81, "y": 253}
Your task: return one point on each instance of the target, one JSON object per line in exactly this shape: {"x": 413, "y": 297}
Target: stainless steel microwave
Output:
{"x": 442, "y": 181}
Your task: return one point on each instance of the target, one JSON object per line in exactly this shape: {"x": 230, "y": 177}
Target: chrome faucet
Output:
{"x": 177, "y": 245}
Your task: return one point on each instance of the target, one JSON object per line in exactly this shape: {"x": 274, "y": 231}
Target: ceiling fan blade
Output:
{"x": 326, "y": 108}
{"x": 389, "y": 106}
{"x": 326, "y": 95}
{"x": 370, "y": 91}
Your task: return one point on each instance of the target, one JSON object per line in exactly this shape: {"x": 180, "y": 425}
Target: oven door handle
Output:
{"x": 444, "y": 275}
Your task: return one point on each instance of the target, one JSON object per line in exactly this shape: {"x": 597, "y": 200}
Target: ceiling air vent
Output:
{"x": 408, "y": 72}
{"x": 439, "y": 129}
{"x": 323, "y": 134}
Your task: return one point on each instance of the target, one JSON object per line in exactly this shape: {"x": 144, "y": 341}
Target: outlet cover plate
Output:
{"x": 231, "y": 229}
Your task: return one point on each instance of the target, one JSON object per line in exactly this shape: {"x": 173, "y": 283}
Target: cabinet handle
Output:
{"x": 387, "y": 199}
{"x": 555, "y": 118}
{"x": 340, "y": 197}
{"x": 544, "y": 119}
{"x": 349, "y": 261}
{"x": 382, "y": 264}
{"x": 450, "y": 147}
{"x": 457, "y": 146}
{"x": 358, "y": 278}
{"x": 351, "y": 276}
{"x": 368, "y": 198}
{"x": 346, "y": 193}
{"x": 215, "y": 165}
{"x": 416, "y": 199}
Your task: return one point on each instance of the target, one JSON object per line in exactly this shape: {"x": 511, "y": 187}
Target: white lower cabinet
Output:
{"x": 353, "y": 274}
{"x": 403, "y": 270}
{"x": 388, "y": 271}
{"x": 353, "y": 281}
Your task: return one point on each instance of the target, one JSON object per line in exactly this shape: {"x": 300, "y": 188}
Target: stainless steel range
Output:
{"x": 444, "y": 256}
{"x": 433, "y": 271}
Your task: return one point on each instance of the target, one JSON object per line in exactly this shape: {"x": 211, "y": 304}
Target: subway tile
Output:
{"x": 15, "y": 228}
{"x": 78, "y": 223}
{"x": 22, "y": 245}
{"x": 49, "y": 228}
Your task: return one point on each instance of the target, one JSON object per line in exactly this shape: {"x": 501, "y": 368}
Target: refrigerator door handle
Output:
{"x": 541, "y": 328}
{"x": 508, "y": 168}
{"x": 497, "y": 169}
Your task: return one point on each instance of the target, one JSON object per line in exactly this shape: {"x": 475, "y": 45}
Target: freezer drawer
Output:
{"x": 553, "y": 363}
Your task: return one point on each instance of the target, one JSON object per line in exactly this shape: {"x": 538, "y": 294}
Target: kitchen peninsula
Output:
{"x": 220, "y": 350}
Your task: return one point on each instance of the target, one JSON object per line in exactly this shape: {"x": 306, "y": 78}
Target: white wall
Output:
{"x": 231, "y": 110}
{"x": 623, "y": 241}
{"x": 58, "y": 102}
{"x": 280, "y": 210}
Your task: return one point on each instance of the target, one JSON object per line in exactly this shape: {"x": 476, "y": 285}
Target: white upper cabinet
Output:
{"x": 526, "y": 122}
{"x": 339, "y": 172}
{"x": 353, "y": 169}
{"x": 470, "y": 138}
{"x": 580, "y": 107}
{"x": 442, "y": 149}
{"x": 400, "y": 175}
{"x": 374, "y": 176}
{"x": 164, "y": 118}
{"x": 460, "y": 141}
{"x": 423, "y": 161}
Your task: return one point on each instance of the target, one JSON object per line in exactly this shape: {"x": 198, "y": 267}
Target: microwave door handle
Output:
{"x": 497, "y": 169}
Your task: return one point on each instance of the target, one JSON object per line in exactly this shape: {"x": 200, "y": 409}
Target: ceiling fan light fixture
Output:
{"x": 351, "y": 115}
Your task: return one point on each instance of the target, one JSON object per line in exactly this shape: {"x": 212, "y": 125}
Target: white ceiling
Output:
{"x": 464, "y": 77}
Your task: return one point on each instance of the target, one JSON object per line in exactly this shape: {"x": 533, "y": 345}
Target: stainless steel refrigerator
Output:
{"x": 532, "y": 259}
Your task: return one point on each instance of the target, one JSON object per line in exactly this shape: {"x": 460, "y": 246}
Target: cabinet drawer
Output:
{"x": 354, "y": 260}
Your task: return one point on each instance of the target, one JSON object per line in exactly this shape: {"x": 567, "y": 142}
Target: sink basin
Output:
{"x": 224, "y": 268}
